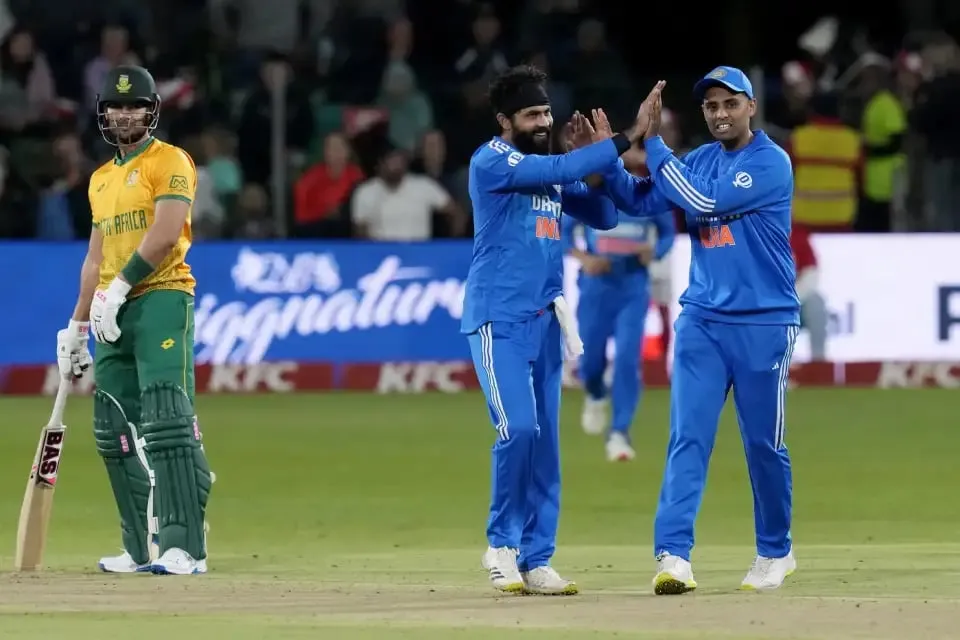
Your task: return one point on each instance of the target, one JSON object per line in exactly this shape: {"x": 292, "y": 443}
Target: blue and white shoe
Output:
{"x": 123, "y": 563}
{"x": 177, "y": 562}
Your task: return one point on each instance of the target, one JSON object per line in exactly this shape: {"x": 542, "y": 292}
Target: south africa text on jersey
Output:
{"x": 124, "y": 223}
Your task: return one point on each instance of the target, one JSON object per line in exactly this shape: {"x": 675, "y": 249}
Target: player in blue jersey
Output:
{"x": 739, "y": 320}
{"x": 614, "y": 285}
{"x": 515, "y": 318}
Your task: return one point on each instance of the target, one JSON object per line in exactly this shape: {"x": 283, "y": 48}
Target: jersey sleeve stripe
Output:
{"x": 696, "y": 199}
{"x": 173, "y": 196}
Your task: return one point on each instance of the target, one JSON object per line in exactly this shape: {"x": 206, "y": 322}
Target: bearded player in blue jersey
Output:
{"x": 738, "y": 324}
{"x": 515, "y": 318}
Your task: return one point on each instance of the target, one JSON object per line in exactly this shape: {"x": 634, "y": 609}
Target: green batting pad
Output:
{"x": 128, "y": 478}
{"x": 179, "y": 466}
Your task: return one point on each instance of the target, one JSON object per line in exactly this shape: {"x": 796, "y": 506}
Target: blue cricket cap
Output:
{"x": 727, "y": 77}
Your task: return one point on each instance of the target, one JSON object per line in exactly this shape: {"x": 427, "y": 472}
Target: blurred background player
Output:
{"x": 137, "y": 291}
{"x": 813, "y": 306}
{"x": 514, "y": 315}
{"x": 614, "y": 301}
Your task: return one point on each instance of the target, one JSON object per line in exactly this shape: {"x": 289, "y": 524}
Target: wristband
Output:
{"x": 137, "y": 269}
{"x": 622, "y": 143}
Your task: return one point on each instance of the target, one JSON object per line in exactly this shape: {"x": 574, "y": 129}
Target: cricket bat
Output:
{"x": 38, "y": 499}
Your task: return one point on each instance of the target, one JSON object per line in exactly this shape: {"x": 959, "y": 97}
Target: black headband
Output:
{"x": 526, "y": 96}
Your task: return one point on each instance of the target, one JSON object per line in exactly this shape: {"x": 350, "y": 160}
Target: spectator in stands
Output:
{"x": 64, "y": 212}
{"x": 827, "y": 158}
{"x": 18, "y": 203}
{"x": 792, "y": 109}
{"x": 114, "y": 51}
{"x": 561, "y": 96}
{"x": 910, "y": 195}
{"x": 600, "y": 76}
{"x": 323, "y": 191}
{"x": 209, "y": 216}
{"x": 934, "y": 116}
{"x": 27, "y": 90}
{"x": 409, "y": 108}
{"x": 432, "y": 161}
{"x": 218, "y": 145}
{"x": 471, "y": 125}
{"x": 883, "y": 126}
{"x": 397, "y": 205}
{"x": 485, "y": 57}
{"x": 252, "y": 217}
{"x": 551, "y": 26}
{"x": 255, "y": 131}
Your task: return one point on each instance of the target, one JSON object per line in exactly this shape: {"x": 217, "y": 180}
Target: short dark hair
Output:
{"x": 511, "y": 81}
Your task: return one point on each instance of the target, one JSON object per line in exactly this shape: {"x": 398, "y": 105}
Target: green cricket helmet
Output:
{"x": 128, "y": 86}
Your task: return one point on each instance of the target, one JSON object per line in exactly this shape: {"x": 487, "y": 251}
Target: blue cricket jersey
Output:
{"x": 518, "y": 205}
{"x": 619, "y": 245}
{"x": 737, "y": 208}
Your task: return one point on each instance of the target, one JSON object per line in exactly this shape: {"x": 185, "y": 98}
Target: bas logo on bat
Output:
{"x": 49, "y": 462}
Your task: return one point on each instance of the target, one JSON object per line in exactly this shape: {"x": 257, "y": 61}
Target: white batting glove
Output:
{"x": 572, "y": 344}
{"x": 104, "y": 309}
{"x": 73, "y": 354}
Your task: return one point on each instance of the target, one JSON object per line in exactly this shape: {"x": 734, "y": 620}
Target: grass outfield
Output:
{"x": 360, "y": 516}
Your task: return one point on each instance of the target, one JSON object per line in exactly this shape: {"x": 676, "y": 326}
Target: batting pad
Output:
{"x": 180, "y": 468}
{"x": 130, "y": 481}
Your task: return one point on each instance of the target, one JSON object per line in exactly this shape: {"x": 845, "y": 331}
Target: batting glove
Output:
{"x": 104, "y": 309}
{"x": 73, "y": 354}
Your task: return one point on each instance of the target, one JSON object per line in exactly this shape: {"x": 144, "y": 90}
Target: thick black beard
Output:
{"x": 527, "y": 144}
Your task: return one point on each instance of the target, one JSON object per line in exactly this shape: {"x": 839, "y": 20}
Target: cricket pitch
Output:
{"x": 433, "y": 596}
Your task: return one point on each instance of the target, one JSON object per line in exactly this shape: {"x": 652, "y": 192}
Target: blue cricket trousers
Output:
{"x": 520, "y": 368}
{"x": 710, "y": 358}
{"x": 614, "y": 306}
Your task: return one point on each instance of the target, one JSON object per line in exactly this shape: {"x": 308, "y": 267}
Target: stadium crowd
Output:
{"x": 381, "y": 113}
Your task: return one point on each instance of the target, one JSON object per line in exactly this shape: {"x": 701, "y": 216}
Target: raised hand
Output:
{"x": 601, "y": 126}
{"x": 656, "y": 110}
{"x": 582, "y": 132}
{"x": 642, "y": 122}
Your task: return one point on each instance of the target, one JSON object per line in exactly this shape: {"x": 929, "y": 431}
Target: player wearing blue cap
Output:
{"x": 738, "y": 324}
{"x": 514, "y": 314}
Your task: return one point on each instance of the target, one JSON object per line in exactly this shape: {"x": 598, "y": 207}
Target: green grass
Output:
{"x": 360, "y": 516}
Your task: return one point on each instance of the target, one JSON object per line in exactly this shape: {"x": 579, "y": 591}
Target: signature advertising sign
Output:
{"x": 338, "y": 302}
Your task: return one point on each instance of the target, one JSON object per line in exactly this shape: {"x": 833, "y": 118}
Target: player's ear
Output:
{"x": 504, "y": 122}
{"x": 752, "y": 107}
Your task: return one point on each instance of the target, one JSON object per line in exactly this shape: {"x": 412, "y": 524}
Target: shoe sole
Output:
{"x": 159, "y": 570}
{"x": 144, "y": 569}
{"x": 513, "y": 587}
{"x": 750, "y": 587}
{"x": 665, "y": 584}
{"x": 569, "y": 590}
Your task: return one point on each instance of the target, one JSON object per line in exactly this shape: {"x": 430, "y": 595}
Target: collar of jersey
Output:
{"x": 117, "y": 160}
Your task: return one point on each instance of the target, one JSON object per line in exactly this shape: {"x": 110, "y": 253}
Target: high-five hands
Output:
{"x": 647, "y": 123}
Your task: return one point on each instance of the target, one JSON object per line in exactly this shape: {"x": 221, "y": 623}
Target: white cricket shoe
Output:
{"x": 124, "y": 563}
{"x": 545, "y": 581}
{"x": 618, "y": 449}
{"x": 594, "y": 417}
{"x": 674, "y": 576}
{"x": 177, "y": 562}
{"x": 769, "y": 573}
{"x": 501, "y": 564}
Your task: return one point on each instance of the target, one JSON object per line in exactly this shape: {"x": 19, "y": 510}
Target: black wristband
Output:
{"x": 622, "y": 143}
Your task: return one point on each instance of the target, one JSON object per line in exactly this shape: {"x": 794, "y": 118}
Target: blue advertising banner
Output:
{"x": 320, "y": 301}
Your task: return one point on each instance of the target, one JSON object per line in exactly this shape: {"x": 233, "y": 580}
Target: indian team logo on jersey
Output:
{"x": 123, "y": 84}
{"x": 132, "y": 177}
